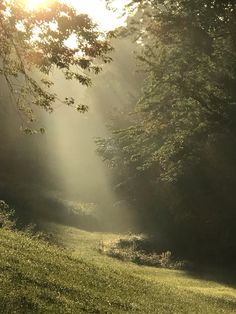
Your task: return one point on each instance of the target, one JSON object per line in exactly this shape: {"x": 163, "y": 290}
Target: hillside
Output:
{"x": 38, "y": 278}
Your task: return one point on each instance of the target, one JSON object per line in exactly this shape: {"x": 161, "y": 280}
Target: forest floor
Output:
{"x": 36, "y": 277}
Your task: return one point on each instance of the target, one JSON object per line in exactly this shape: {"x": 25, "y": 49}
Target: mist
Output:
{"x": 58, "y": 176}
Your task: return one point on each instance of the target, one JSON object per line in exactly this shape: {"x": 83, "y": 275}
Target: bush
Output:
{"x": 7, "y": 220}
{"x": 7, "y": 216}
{"x": 128, "y": 249}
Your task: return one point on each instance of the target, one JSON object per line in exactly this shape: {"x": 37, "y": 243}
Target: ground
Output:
{"x": 37, "y": 277}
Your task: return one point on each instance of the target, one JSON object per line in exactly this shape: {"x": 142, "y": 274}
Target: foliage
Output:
{"x": 78, "y": 214}
{"x": 7, "y": 216}
{"x": 178, "y": 150}
{"x": 35, "y": 43}
{"x": 189, "y": 55}
{"x": 132, "y": 249}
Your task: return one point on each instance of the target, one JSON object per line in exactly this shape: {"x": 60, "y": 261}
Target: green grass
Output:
{"x": 38, "y": 278}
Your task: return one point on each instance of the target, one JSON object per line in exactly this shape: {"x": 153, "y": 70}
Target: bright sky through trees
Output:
{"x": 96, "y": 9}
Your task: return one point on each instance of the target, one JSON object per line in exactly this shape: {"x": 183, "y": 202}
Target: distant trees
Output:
{"x": 175, "y": 162}
{"x": 37, "y": 42}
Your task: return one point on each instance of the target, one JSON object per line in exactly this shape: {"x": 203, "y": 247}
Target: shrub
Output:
{"x": 128, "y": 249}
{"x": 7, "y": 216}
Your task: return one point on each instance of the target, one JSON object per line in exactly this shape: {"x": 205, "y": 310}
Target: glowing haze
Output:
{"x": 96, "y": 9}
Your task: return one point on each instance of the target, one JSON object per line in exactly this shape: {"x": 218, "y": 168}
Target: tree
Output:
{"x": 34, "y": 43}
{"x": 178, "y": 152}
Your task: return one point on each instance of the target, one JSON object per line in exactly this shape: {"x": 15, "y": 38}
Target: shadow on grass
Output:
{"x": 150, "y": 252}
{"x": 221, "y": 274}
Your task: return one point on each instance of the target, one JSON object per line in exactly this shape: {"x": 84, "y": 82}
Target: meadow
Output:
{"x": 73, "y": 277}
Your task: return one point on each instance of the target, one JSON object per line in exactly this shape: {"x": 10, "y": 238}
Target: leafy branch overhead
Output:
{"x": 35, "y": 43}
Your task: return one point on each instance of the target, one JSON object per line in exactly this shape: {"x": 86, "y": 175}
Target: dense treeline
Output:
{"x": 175, "y": 162}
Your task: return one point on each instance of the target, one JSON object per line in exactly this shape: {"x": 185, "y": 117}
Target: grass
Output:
{"x": 38, "y": 278}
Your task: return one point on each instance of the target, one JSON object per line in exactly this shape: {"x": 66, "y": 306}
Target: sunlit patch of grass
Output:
{"x": 37, "y": 277}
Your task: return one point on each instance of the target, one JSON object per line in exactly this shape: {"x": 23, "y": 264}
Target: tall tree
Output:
{"x": 178, "y": 152}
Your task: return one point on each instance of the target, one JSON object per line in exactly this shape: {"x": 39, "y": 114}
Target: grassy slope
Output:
{"x": 37, "y": 278}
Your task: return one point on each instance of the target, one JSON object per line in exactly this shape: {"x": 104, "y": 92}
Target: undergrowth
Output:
{"x": 8, "y": 221}
{"x": 131, "y": 248}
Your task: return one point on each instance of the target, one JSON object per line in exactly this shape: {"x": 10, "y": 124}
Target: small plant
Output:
{"x": 7, "y": 216}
